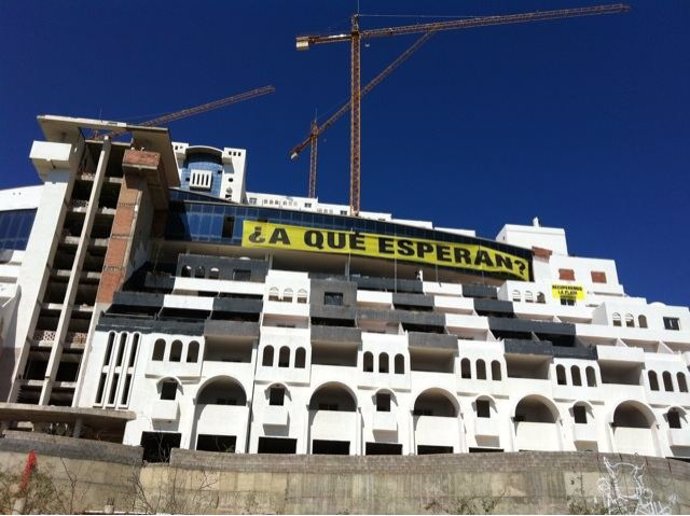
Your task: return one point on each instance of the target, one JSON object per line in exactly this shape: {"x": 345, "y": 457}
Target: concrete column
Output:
{"x": 73, "y": 282}
{"x": 78, "y": 424}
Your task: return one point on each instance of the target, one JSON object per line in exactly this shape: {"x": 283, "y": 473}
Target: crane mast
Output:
{"x": 317, "y": 130}
{"x": 356, "y": 35}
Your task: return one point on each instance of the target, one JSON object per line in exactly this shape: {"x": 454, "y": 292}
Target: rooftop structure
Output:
{"x": 147, "y": 298}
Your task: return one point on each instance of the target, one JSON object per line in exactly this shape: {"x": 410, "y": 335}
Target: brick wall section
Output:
{"x": 121, "y": 236}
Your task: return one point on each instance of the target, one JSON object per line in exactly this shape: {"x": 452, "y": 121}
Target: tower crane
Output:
{"x": 356, "y": 35}
{"x": 317, "y": 130}
{"x": 209, "y": 106}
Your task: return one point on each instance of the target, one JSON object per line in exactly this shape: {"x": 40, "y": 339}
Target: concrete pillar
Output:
{"x": 78, "y": 424}
{"x": 73, "y": 282}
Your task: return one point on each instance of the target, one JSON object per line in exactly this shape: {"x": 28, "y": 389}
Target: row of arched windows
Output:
{"x": 288, "y": 295}
{"x": 480, "y": 370}
{"x": 629, "y": 320}
{"x": 576, "y": 376}
{"x": 268, "y": 357}
{"x": 176, "y": 350}
{"x": 383, "y": 363}
{"x": 667, "y": 379}
{"x": 529, "y": 297}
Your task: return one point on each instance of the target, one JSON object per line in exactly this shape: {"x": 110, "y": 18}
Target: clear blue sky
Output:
{"x": 584, "y": 123}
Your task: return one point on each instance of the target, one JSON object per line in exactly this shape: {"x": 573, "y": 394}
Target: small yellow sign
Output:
{"x": 574, "y": 292}
{"x": 475, "y": 257}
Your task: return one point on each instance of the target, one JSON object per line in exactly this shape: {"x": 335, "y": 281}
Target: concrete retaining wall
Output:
{"x": 204, "y": 482}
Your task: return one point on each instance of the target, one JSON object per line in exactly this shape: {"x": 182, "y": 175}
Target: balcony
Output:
{"x": 485, "y": 427}
{"x": 165, "y": 410}
{"x": 436, "y": 431}
{"x": 678, "y": 437}
{"x": 384, "y": 422}
{"x": 584, "y": 433}
{"x": 334, "y": 425}
{"x": 275, "y": 415}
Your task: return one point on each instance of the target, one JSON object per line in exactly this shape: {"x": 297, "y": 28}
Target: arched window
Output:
{"x": 214, "y": 273}
{"x": 300, "y": 358}
{"x": 673, "y": 418}
{"x": 616, "y": 317}
{"x": 368, "y": 363}
{"x": 541, "y": 298}
{"x": 158, "y": 350}
{"x": 186, "y": 271}
{"x": 176, "y": 351}
{"x": 653, "y": 381}
{"x": 302, "y": 296}
{"x": 267, "y": 359}
{"x": 399, "y": 364}
{"x": 200, "y": 271}
{"x": 629, "y": 321}
{"x": 642, "y": 321}
{"x": 591, "y": 377}
{"x": 383, "y": 363}
{"x": 560, "y": 375}
{"x": 668, "y": 381}
{"x": 168, "y": 390}
{"x": 273, "y": 294}
{"x": 222, "y": 391}
{"x": 528, "y": 297}
{"x": 496, "y": 370}
{"x": 483, "y": 407}
{"x": 284, "y": 357}
{"x": 465, "y": 371}
{"x": 516, "y": 296}
{"x": 193, "y": 351}
{"x": 580, "y": 414}
{"x": 682, "y": 382}
{"x": 481, "y": 370}
{"x": 575, "y": 374}
{"x": 287, "y": 295}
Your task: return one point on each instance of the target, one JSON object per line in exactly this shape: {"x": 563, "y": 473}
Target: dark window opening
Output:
{"x": 485, "y": 450}
{"x": 399, "y": 364}
{"x": 483, "y": 408}
{"x": 383, "y": 363}
{"x": 383, "y": 402}
{"x": 277, "y": 445}
{"x": 241, "y": 275}
{"x": 560, "y": 375}
{"x": 228, "y": 227}
{"x": 284, "y": 357}
{"x": 176, "y": 351}
{"x": 671, "y": 323}
{"x": 109, "y": 349}
{"x": 580, "y": 414}
{"x": 216, "y": 443}
{"x": 323, "y": 447}
{"x": 168, "y": 390}
{"x": 465, "y": 371}
{"x": 121, "y": 350}
{"x": 267, "y": 360}
{"x": 157, "y": 445}
{"x": 276, "y": 396}
{"x": 125, "y": 390}
{"x": 300, "y": 358}
{"x": 429, "y": 450}
{"x": 368, "y": 362}
{"x": 383, "y": 449}
{"x": 113, "y": 389}
{"x": 158, "y": 350}
{"x": 67, "y": 372}
{"x": 333, "y": 298}
{"x": 101, "y": 386}
{"x": 673, "y": 418}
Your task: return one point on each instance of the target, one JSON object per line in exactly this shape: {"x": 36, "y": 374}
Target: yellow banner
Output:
{"x": 568, "y": 292}
{"x": 475, "y": 257}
